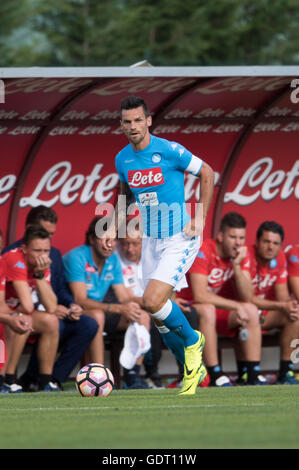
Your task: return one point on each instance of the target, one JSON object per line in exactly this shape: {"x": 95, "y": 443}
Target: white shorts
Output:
{"x": 168, "y": 259}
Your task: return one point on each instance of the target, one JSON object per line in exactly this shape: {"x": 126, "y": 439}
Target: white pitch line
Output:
{"x": 88, "y": 408}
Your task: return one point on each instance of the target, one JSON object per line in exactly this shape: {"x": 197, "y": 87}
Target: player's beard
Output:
{"x": 139, "y": 138}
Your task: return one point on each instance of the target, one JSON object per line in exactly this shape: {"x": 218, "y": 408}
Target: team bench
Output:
{"x": 114, "y": 343}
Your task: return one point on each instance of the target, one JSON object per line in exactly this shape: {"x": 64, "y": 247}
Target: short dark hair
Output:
{"x": 33, "y": 232}
{"x": 270, "y": 226}
{"x": 133, "y": 102}
{"x": 36, "y": 214}
{"x": 91, "y": 231}
{"x": 232, "y": 220}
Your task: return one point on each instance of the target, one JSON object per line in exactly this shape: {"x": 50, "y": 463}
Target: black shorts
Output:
{"x": 111, "y": 322}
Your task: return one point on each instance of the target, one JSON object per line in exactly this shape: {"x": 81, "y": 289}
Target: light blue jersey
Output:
{"x": 155, "y": 176}
{"x": 80, "y": 267}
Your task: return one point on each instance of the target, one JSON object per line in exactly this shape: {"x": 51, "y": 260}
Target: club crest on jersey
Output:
{"x": 145, "y": 178}
{"x": 273, "y": 263}
{"x": 156, "y": 158}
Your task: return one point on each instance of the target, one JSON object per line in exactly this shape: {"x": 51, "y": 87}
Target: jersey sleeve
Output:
{"x": 119, "y": 169}
{"x": 201, "y": 263}
{"x": 74, "y": 265}
{"x": 2, "y": 275}
{"x": 185, "y": 160}
{"x": 282, "y": 277}
{"x": 292, "y": 263}
{"x": 15, "y": 267}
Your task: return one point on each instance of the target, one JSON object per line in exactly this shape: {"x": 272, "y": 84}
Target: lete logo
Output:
{"x": 145, "y": 178}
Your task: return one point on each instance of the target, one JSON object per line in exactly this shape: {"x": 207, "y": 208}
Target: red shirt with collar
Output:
{"x": 2, "y": 337}
{"x": 17, "y": 270}
{"x": 266, "y": 276}
{"x": 219, "y": 271}
{"x": 292, "y": 256}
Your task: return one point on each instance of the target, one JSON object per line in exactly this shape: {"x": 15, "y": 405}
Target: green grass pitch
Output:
{"x": 227, "y": 418}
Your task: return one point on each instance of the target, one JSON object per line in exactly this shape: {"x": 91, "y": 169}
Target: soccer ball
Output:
{"x": 94, "y": 380}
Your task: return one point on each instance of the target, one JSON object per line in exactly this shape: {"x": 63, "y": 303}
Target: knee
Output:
{"x": 253, "y": 314}
{"x": 206, "y": 313}
{"x": 152, "y": 303}
{"x": 89, "y": 325}
{"x": 49, "y": 323}
{"x": 98, "y": 316}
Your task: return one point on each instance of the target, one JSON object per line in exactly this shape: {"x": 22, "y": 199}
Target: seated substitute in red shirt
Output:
{"x": 29, "y": 291}
{"x": 292, "y": 255}
{"x": 268, "y": 271}
{"x": 220, "y": 291}
{"x": 9, "y": 323}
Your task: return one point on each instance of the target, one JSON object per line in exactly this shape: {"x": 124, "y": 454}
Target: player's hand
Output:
{"x": 241, "y": 315}
{"x": 183, "y": 304}
{"x": 75, "y": 312}
{"x": 43, "y": 262}
{"x": 292, "y": 310}
{"x": 61, "y": 312}
{"x": 193, "y": 228}
{"x": 20, "y": 323}
{"x": 131, "y": 311}
{"x": 241, "y": 254}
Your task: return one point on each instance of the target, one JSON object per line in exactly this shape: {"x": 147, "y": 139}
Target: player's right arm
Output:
{"x": 17, "y": 322}
{"x": 23, "y": 292}
{"x": 242, "y": 276}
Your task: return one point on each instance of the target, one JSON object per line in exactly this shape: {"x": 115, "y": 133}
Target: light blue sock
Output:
{"x": 173, "y": 318}
{"x": 173, "y": 342}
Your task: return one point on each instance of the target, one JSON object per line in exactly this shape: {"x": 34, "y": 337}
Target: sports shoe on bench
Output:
{"x": 288, "y": 379}
{"x": 50, "y": 387}
{"x": 137, "y": 383}
{"x": 221, "y": 381}
{"x": 11, "y": 388}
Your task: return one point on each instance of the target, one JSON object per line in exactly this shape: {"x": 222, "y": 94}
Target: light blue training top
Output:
{"x": 80, "y": 267}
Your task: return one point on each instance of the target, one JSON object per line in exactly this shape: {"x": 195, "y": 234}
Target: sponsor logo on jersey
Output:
{"x": 128, "y": 271}
{"x": 89, "y": 268}
{"x": 145, "y": 178}
{"x": 218, "y": 275}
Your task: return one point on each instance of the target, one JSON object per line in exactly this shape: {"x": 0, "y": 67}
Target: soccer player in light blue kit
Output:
{"x": 153, "y": 170}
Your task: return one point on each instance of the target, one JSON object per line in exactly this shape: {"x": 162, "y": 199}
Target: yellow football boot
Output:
{"x": 194, "y": 369}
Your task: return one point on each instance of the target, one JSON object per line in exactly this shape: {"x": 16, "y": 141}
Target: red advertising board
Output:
{"x": 59, "y": 138}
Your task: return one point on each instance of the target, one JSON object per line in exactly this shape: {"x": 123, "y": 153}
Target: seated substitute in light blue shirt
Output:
{"x": 80, "y": 267}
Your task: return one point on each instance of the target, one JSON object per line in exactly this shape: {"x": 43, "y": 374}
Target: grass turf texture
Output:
{"x": 231, "y": 418}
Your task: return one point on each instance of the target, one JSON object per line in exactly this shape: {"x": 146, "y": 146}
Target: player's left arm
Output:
{"x": 196, "y": 225}
{"x": 294, "y": 286}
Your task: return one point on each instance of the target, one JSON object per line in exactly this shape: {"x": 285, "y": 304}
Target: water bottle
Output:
{"x": 243, "y": 334}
